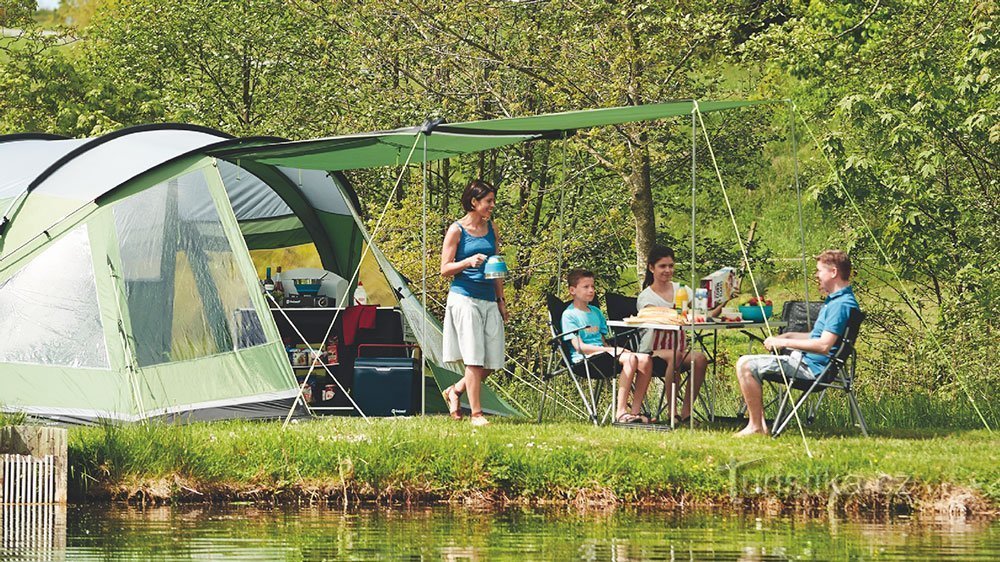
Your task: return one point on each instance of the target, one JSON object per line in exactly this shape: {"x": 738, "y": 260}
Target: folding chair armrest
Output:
{"x": 554, "y": 340}
{"x": 627, "y": 333}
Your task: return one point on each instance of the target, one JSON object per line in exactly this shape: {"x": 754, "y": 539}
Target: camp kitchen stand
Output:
{"x": 377, "y": 369}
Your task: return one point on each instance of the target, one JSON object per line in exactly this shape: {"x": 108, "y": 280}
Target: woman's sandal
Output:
{"x": 627, "y": 418}
{"x": 478, "y": 419}
{"x": 454, "y": 402}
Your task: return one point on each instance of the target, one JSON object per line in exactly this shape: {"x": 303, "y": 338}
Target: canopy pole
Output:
{"x": 746, "y": 260}
{"x": 562, "y": 214}
{"x": 423, "y": 280}
{"x": 798, "y": 196}
{"x": 694, "y": 184}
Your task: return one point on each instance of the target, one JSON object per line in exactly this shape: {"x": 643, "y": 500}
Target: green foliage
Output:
{"x": 16, "y": 13}
{"x": 12, "y": 418}
{"x": 910, "y": 98}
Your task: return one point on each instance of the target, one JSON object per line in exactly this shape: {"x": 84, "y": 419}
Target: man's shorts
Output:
{"x": 792, "y": 365}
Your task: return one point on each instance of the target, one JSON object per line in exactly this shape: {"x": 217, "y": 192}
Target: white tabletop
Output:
{"x": 699, "y": 325}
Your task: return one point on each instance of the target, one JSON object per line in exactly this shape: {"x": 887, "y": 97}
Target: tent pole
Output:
{"x": 423, "y": 280}
{"x": 798, "y": 195}
{"x": 562, "y": 213}
{"x": 694, "y": 185}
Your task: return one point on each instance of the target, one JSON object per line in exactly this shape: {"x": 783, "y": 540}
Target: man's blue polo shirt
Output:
{"x": 832, "y": 318}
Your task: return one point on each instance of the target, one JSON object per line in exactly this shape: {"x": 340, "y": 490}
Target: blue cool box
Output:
{"x": 386, "y": 386}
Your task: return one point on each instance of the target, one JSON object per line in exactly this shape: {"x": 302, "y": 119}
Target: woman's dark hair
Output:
{"x": 477, "y": 189}
{"x": 656, "y": 253}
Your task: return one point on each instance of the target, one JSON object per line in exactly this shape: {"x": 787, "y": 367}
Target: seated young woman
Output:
{"x": 659, "y": 290}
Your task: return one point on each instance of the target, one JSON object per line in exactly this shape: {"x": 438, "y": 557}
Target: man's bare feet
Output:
{"x": 751, "y": 430}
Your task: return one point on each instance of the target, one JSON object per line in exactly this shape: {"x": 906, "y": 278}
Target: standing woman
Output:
{"x": 659, "y": 290}
{"x": 476, "y": 311}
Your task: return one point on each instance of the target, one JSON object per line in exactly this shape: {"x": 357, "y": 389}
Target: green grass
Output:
{"x": 12, "y": 418}
{"x": 433, "y": 458}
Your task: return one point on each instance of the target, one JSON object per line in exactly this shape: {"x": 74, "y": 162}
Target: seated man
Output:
{"x": 811, "y": 350}
{"x": 590, "y": 341}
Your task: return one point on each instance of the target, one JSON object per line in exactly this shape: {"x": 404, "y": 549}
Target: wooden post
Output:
{"x": 38, "y": 442}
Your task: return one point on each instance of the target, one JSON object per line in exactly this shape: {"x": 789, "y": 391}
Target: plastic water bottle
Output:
{"x": 701, "y": 305}
{"x": 360, "y": 295}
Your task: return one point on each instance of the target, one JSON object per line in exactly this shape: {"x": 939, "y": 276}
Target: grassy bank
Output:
{"x": 434, "y": 459}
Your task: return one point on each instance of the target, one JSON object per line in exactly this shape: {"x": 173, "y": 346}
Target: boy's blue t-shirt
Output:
{"x": 594, "y": 324}
{"x": 832, "y": 318}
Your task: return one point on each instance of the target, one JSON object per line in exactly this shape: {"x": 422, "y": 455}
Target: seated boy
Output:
{"x": 590, "y": 342}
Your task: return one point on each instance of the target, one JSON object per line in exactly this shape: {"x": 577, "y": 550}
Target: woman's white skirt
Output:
{"x": 473, "y": 332}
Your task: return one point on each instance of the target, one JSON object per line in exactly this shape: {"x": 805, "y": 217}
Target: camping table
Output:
{"x": 700, "y": 330}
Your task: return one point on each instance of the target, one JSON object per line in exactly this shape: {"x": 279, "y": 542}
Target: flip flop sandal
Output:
{"x": 478, "y": 419}
{"x": 627, "y": 418}
{"x": 447, "y": 393}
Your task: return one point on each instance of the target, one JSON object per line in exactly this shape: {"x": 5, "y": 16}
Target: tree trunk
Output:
{"x": 642, "y": 207}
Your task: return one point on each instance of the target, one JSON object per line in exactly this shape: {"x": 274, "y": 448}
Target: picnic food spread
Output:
{"x": 658, "y": 315}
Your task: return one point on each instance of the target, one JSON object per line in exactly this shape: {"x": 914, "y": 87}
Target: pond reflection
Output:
{"x": 457, "y": 534}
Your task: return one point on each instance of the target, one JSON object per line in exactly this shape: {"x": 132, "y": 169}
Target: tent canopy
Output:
{"x": 392, "y": 148}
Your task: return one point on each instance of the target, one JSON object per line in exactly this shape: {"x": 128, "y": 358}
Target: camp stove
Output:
{"x": 298, "y": 300}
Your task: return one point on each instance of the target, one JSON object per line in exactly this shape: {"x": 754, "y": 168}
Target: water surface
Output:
{"x": 453, "y": 534}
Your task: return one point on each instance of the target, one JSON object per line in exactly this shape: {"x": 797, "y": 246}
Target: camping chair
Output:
{"x": 619, "y": 307}
{"x": 793, "y": 314}
{"x": 838, "y": 375}
{"x": 596, "y": 370}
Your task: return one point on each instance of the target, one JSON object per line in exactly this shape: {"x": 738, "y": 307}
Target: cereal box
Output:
{"x": 722, "y": 285}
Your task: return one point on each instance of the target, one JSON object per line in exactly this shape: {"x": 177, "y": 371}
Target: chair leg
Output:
{"x": 798, "y": 403}
{"x": 811, "y": 416}
{"x": 856, "y": 409}
{"x": 786, "y": 395}
{"x": 613, "y": 403}
{"x": 591, "y": 410}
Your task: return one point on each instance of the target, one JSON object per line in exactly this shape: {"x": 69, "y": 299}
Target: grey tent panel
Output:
{"x": 319, "y": 189}
{"x": 250, "y": 197}
{"x": 119, "y": 160}
{"x": 22, "y": 161}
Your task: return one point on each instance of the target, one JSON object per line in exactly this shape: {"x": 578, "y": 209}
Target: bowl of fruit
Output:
{"x": 752, "y": 310}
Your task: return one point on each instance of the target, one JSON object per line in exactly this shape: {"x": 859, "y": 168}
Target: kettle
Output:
{"x": 496, "y": 268}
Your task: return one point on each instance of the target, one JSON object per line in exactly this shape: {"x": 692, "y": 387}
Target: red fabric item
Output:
{"x": 357, "y": 318}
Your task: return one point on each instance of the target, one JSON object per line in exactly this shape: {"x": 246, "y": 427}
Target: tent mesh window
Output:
{"x": 186, "y": 296}
{"x": 49, "y": 309}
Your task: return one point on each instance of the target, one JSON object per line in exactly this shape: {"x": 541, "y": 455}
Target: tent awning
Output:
{"x": 391, "y": 148}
